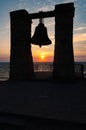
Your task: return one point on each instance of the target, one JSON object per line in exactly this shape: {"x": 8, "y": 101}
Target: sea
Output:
{"x": 38, "y": 67}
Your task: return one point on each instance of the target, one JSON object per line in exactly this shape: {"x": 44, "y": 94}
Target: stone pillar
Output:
{"x": 21, "y": 64}
{"x": 63, "y": 66}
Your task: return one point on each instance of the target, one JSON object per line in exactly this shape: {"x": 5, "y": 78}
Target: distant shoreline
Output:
{"x": 46, "y": 62}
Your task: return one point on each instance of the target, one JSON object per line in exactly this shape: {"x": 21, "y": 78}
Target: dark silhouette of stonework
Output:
{"x": 21, "y": 62}
{"x": 63, "y": 55}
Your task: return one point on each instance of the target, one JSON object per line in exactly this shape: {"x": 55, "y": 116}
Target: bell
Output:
{"x": 40, "y": 36}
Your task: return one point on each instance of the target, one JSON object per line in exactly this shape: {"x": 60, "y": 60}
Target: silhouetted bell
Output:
{"x": 40, "y": 36}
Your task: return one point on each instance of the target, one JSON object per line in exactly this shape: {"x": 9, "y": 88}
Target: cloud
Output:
{"x": 80, "y": 28}
{"x": 22, "y": 4}
{"x": 79, "y": 37}
{"x": 79, "y": 52}
{"x": 50, "y": 0}
{"x": 66, "y": 1}
{"x": 80, "y": 58}
{"x": 7, "y": 26}
{"x": 45, "y": 8}
{"x": 38, "y": 3}
{"x": 50, "y": 24}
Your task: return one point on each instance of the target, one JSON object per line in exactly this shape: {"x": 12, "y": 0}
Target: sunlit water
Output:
{"x": 4, "y": 71}
{"x": 38, "y": 67}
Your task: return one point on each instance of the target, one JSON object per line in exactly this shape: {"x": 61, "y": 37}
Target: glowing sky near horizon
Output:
{"x": 79, "y": 35}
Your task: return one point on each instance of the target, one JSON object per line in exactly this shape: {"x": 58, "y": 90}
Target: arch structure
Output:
{"x": 21, "y": 62}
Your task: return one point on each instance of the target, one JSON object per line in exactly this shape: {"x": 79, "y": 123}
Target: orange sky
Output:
{"x": 42, "y": 54}
{"x": 43, "y": 58}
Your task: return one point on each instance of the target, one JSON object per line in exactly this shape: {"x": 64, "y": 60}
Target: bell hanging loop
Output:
{"x": 40, "y": 36}
{"x": 41, "y": 20}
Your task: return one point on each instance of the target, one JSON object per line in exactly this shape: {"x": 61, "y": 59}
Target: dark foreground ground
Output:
{"x": 43, "y": 105}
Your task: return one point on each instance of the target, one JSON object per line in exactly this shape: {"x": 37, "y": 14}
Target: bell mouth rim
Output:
{"x": 42, "y": 44}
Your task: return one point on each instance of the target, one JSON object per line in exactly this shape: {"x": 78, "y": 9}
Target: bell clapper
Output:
{"x": 40, "y": 46}
{"x": 41, "y": 20}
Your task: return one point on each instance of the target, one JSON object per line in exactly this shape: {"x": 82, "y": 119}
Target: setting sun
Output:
{"x": 42, "y": 56}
